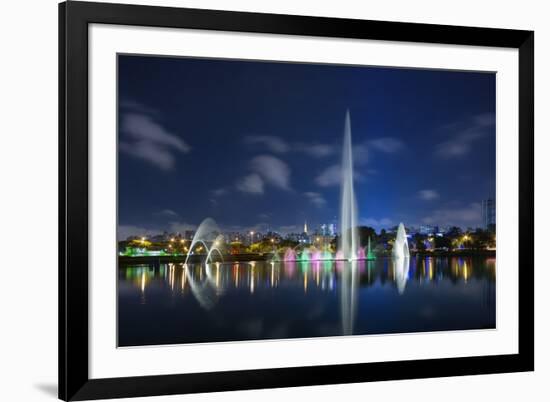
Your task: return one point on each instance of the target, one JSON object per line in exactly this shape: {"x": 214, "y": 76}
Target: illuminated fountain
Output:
{"x": 401, "y": 246}
{"x": 400, "y": 258}
{"x": 349, "y": 237}
{"x": 290, "y": 254}
{"x": 205, "y": 234}
{"x": 370, "y": 255}
{"x": 206, "y": 292}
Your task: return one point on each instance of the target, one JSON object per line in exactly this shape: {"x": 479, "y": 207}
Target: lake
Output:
{"x": 174, "y": 304}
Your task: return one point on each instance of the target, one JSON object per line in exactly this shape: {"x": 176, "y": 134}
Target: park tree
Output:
{"x": 442, "y": 242}
{"x": 482, "y": 239}
{"x": 418, "y": 240}
{"x": 364, "y": 233}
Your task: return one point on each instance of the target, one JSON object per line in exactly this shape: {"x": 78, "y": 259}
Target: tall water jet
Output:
{"x": 370, "y": 255}
{"x": 349, "y": 237}
{"x": 400, "y": 246}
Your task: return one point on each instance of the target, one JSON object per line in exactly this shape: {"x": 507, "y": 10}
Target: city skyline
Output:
{"x": 259, "y": 148}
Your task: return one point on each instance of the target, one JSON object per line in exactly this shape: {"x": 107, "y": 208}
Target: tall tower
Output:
{"x": 305, "y": 227}
{"x": 488, "y": 213}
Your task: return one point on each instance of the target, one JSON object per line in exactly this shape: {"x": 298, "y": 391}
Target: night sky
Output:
{"x": 257, "y": 145}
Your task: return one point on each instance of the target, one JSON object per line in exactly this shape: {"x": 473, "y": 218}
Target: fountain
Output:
{"x": 349, "y": 236}
{"x": 401, "y": 246}
{"x": 370, "y": 255}
{"x": 203, "y": 235}
{"x": 290, "y": 254}
{"x": 349, "y": 240}
{"x": 316, "y": 255}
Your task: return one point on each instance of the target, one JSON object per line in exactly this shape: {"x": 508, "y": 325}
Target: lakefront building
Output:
{"x": 488, "y": 213}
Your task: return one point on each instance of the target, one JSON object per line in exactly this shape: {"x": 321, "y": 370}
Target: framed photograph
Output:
{"x": 255, "y": 200}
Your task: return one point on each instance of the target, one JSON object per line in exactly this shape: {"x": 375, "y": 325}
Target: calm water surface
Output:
{"x": 170, "y": 303}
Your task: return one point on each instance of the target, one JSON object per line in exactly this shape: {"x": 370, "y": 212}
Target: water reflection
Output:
{"x": 386, "y": 295}
{"x": 219, "y": 277}
{"x": 348, "y": 294}
{"x": 401, "y": 272}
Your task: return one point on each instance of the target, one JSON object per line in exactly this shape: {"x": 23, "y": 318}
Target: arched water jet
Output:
{"x": 214, "y": 248}
{"x": 209, "y": 256}
{"x": 207, "y": 228}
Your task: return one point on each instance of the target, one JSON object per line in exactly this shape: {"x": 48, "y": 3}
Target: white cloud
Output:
{"x": 280, "y": 146}
{"x": 456, "y": 215}
{"x": 428, "y": 195}
{"x": 143, "y": 128}
{"x": 148, "y": 140}
{"x": 270, "y": 142}
{"x": 464, "y": 136}
{"x": 130, "y": 105}
{"x": 332, "y": 176}
{"x": 167, "y": 212}
{"x": 315, "y": 150}
{"x": 149, "y": 151}
{"x": 273, "y": 170}
{"x": 252, "y": 184}
{"x": 316, "y": 199}
{"x": 388, "y": 145}
{"x": 360, "y": 154}
{"x": 219, "y": 191}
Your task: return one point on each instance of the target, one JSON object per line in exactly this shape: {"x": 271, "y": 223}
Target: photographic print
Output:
{"x": 267, "y": 200}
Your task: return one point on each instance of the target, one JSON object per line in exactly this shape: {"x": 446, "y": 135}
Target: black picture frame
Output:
{"x": 74, "y": 381}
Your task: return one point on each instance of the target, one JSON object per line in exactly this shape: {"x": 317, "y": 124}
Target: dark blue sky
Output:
{"x": 257, "y": 145}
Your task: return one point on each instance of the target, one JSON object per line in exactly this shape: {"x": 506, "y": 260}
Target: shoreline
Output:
{"x": 127, "y": 260}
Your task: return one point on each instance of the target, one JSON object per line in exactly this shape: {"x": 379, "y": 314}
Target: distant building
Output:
{"x": 427, "y": 229}
{"x": 488, "y": 213}
{"x": 327, "y": 229}
{"x": 231, "y": 237}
